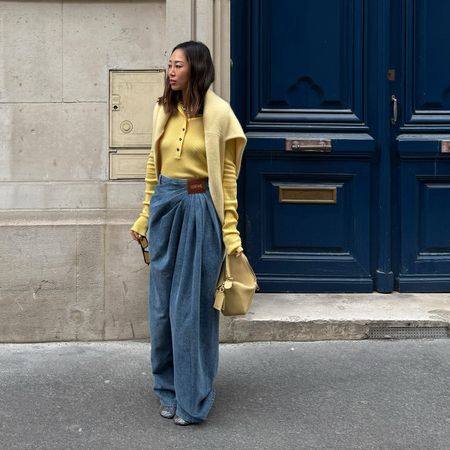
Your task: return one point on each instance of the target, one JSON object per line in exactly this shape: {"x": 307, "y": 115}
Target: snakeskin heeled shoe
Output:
{"x": 167, "y": 411}
{"x": 179, "y": 421}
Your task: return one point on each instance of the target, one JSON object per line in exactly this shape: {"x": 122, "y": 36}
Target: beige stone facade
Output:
{"x": 68, "y": 267}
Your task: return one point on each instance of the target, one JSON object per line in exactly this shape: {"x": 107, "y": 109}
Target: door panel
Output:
{"x": 427, "y": 99}
{"x": 310, "y": 63}
{"x": 324, "y": 238}
{"x": 419, "y": 142}
{"x": 425, "y": 242}
{"x": 308, "y": 77}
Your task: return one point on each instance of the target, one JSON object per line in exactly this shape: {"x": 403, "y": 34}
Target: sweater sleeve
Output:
{"x": 141, "y": 224}
{"x": 231, "y": 236}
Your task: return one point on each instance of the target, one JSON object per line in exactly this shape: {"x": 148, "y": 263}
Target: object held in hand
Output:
{"x": 144, "y": 247}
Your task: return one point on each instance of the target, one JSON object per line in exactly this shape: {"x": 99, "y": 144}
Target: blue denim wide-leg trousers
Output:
{"x": 186, "y": 252}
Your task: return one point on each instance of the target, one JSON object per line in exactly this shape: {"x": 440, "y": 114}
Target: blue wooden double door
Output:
{"x": 345, "y": 184}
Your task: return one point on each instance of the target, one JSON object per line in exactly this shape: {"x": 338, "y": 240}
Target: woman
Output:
{"x": 190, "y": 217}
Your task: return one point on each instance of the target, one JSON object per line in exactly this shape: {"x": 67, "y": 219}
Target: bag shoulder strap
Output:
{"x": 227, "y": 267}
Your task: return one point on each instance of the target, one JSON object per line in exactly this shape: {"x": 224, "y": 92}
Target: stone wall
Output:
{"x": 68, "y": 268}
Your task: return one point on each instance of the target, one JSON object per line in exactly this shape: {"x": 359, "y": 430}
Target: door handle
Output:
{"x": 394, "y": 109}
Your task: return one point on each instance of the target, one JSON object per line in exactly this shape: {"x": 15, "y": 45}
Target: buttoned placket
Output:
{"x": 181, "y": 136}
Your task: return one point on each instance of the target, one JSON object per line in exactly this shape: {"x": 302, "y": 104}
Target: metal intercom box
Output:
{"x": 133, "y": 94}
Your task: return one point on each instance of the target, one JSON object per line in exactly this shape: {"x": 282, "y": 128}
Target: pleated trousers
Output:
{"x": 186, "y": 252}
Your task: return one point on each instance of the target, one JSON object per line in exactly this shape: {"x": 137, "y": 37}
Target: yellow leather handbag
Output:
{"x": 236, "y": 286}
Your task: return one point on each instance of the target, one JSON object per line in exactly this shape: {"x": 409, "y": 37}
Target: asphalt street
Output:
{"x": 365, "y": 394}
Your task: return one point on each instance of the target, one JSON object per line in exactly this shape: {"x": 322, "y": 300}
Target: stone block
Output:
{"x": 126, "y": 195}
{"x": 52, "y": 195}
{"x": 99, "y": 36}
{"x": 30, "y": 61}
{"x": 51, "y": 283}
{"x": 88, "y": 315}
{"x": 126, "y": 284}
{"x": 55, "y": 141}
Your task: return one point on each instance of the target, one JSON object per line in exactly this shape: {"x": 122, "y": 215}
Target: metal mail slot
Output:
{"x": 308, "y": 145}
{"x": 307, "y": 194}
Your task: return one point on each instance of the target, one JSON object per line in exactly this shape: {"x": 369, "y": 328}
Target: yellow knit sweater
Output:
{"x": 183, "y": 155}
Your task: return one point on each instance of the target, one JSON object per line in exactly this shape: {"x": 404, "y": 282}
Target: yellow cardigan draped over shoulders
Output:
{"x": 220, "y": 126}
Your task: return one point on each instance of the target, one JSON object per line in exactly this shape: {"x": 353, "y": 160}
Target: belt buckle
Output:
{"x": 196, "y": 185}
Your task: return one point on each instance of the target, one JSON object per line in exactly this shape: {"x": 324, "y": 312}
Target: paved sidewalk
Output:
{"x": 383, "y": 395}
{"x": 306, "y": 317}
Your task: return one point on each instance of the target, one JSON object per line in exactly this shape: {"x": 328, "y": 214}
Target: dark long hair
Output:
{"x": 201, "y": 75}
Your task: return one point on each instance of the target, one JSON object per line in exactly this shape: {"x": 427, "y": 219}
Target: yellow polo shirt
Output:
{"x": 183, "y": 155}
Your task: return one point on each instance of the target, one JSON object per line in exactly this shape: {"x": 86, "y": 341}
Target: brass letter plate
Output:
{"x": 304, "y": 193}
{"x": 308, "y": 145}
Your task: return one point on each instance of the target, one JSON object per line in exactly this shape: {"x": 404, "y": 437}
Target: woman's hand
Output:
{"x": 136, "y": 236}
{"x": 238, "y": 252}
